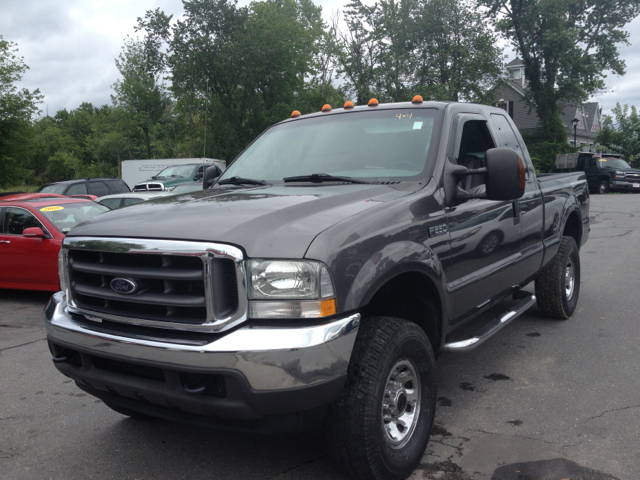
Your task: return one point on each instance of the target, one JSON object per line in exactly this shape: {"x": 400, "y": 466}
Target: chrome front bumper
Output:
{"x": 269, "y": 358}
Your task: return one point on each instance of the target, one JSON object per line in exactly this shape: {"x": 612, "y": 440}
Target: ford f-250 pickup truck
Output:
{"x": 319, "y": 275}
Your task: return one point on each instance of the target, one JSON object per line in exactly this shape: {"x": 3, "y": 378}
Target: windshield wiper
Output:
{"x": 241, "y": 181}
{"x": 320, "y": 178}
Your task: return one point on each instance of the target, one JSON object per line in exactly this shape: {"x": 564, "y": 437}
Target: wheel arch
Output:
{"x": 412, "y": 295}
{"x": 573, "y": 227}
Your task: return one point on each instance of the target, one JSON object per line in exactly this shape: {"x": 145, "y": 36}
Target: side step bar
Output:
{"x": 492, "y": 328}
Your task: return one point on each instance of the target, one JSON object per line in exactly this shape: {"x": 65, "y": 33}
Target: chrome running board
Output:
{"x": 491, "y": 328}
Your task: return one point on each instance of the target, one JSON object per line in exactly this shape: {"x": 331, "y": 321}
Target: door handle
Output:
{"x": 5, "y": 241}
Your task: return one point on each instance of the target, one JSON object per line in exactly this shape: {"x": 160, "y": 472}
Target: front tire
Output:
{"x": 604, "y": 186}
{"x": 380, "y": 427}
{"x": 558, "y": 287}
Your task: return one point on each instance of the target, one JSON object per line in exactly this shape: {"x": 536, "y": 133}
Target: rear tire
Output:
{"x": 558, "y": 286}
{"x": 380, "y": 427}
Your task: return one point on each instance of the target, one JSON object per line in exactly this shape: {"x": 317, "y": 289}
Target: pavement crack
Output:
{"x": 22, "y": 344}
{"x": 613, "y": 410}
{"x": 306, "y": 462}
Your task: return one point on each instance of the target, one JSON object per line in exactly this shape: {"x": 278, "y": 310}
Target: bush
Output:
{"x": 543, "y": 154}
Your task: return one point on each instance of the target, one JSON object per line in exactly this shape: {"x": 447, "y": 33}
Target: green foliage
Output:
{"x": 16, "y": 109}
{"x": 622, "y": 135}
{"x": 543, "y": 152}
{"x": 566, "y": 46}
{"x": 438, "y": 48}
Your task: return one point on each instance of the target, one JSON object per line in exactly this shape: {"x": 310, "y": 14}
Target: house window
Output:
{"x": 515, "y": 74}
{"x": 503, "y": 105}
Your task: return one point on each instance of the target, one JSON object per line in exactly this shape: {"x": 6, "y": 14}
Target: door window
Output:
{"x": 17, "y": 219}
{"x": 98, "y": 188}
{"x": 474, "y": 143}
{"x": 111, "y": 202}
{"x": 77, "y": 189}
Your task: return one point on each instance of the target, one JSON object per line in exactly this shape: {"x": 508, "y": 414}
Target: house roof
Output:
{"x": 515, "y": 62}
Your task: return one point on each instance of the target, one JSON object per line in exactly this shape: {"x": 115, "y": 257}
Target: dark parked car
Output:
{"x": 605, "y": 172}
{"x": 83, "y": 186}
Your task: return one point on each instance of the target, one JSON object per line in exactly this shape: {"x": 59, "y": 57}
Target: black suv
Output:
{"x": 83, "y": 186}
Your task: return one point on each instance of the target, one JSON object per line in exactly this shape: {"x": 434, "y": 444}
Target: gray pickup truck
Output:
{"x": 319, "y": 276}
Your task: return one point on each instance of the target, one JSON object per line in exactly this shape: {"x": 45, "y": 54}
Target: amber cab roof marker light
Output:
{"x": 373, "y": 102}
{"x": 348, "y": 105}
{"x": 326, "y": 108}
{"x": 295, "y": 114}
{"x": 417, "y": 100}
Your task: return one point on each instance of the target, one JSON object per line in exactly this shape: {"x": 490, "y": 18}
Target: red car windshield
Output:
{"x": 66, "y": 216}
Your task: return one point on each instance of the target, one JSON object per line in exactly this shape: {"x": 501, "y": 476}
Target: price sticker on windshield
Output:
{"x": 400, "y": 116}
{"x": 51, "y": 209}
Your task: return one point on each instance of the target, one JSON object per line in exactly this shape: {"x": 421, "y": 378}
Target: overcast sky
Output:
{"x": 70, "y": 47}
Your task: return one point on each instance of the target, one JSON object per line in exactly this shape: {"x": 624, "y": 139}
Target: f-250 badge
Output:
{"x": 437, "y": 230}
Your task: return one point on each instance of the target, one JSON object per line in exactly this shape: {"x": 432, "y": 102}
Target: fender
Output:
{"x": 391, "y": 261}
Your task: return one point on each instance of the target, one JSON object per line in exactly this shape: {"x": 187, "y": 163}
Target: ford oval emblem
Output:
{"x": 123, "y": 285}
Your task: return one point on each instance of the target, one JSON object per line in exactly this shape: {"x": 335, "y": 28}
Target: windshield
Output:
{"x": 59, "y": 189}
{"x": 177, "y": 171}
{"x": 65, "y": 217}
{"x": 372, "y": 145}
{"x": 187, "y": 188}
{"x": 614, "y": 162}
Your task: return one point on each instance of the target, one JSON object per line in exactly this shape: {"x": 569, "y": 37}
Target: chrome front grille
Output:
{"x": 178, "y": 285}
{"x": 144, "y": 187}
{"x": 632, "y": 176}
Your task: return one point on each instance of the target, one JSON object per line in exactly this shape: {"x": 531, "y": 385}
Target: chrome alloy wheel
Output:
{"x": 569, "y": 279}
{"x": 401, "y": 403}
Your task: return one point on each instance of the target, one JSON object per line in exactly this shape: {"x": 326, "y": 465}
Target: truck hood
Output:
{"x": 274, "y": 221}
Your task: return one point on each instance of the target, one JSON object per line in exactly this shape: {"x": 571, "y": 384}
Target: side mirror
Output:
{"x": 210, "y": 175}
{"x": 33, "y": 232}
{"x": 506, "y": 174}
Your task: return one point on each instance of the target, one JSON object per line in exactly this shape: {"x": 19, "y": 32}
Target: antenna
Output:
{"x": 206, "y": 100}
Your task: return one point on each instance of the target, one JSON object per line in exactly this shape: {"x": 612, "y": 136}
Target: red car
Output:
{"x": 32, "y": 227}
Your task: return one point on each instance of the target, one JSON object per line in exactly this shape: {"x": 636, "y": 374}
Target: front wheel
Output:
{"x": 380, "y": 427}
{"x": 558, "y": 287}
{"x": 604, "y": 186}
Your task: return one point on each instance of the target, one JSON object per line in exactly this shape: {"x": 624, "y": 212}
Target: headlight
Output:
{"x": 62, "y": 270}
{"x": 290, "y": 289}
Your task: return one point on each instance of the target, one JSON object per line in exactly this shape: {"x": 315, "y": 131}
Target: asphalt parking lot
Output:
{"x": 541, "y": 400}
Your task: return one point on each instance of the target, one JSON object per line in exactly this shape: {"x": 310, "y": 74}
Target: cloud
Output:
{"x": 70, "y": 47}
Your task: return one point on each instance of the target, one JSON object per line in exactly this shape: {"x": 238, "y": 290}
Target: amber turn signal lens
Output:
{"x": 295, "y": 114}
{"x": 348, "y": 105}
{"x": 326, "y": 108}
{"x": 417, "y": 100}
{"x": 328, "y": 307}
{"x": 373, "y": 102}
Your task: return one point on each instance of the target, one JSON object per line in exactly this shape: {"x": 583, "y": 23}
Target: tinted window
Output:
{"x": 59, "y": 189}
{"x": 132, "y": 201}
{"x": 111, "y": 202}
{"x": 118, "y": 186}
{"x": 506, "y": 133}
{"x": 98, "y": 188}
{"x": 17, "y": 219}
{"x": 77, "y": 189}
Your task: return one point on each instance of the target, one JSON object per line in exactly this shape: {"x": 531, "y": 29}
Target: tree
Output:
{"x": 566, "y": 46}
{"x": 622, "y": 135}
{"x": 458, "y": 57}
{"x": 247, "y": 65}
{"x": 397, "y": 48}
{"x": 140, "y": 92}
{"x": 16, "y": 110}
